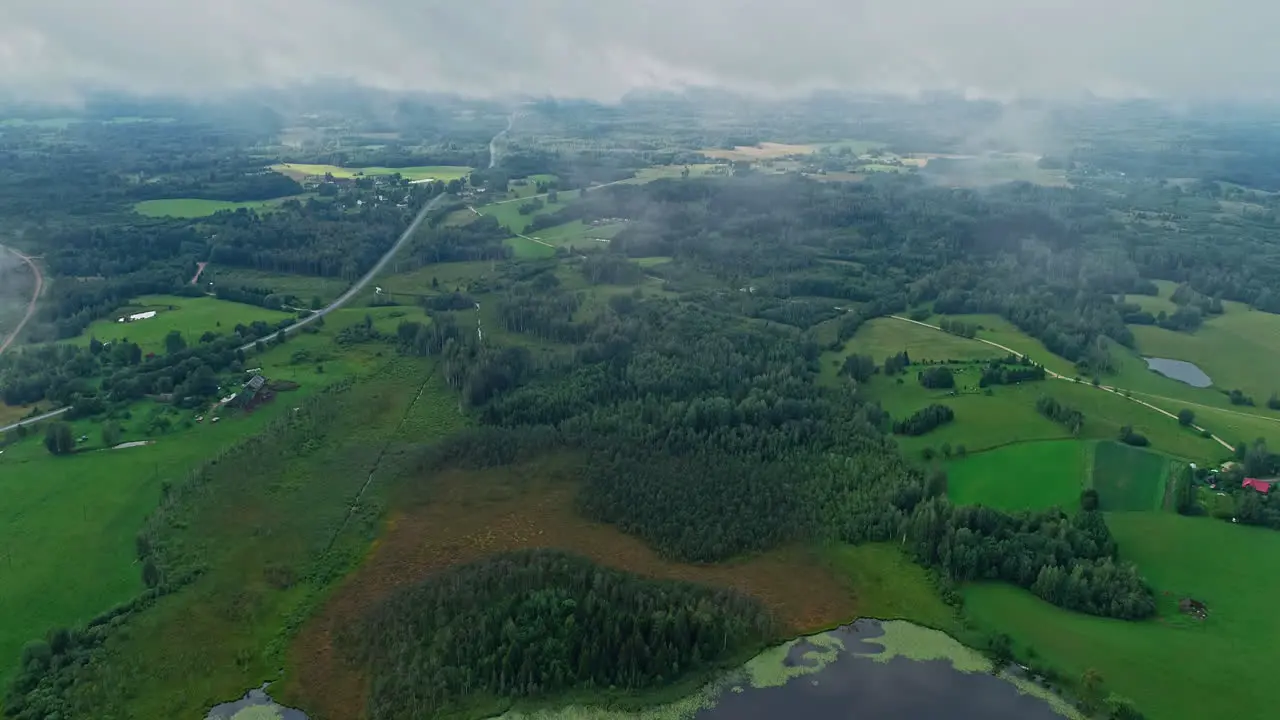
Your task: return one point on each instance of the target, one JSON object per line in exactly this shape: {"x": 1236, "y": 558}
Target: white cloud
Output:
{"x": 603, "y": 48}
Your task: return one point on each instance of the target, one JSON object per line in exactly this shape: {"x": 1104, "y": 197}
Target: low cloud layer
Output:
{"x": 1183, "y": 49}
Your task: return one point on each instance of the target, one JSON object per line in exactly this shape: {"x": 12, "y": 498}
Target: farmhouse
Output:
{"x": 1262, "y": 486}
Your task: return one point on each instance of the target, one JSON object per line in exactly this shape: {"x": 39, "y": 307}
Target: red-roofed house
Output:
{"x": 1261, "y": 486}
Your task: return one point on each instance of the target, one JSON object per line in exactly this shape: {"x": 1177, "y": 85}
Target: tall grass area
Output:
{"x": 1026, "y": 476}
{"x": 270, "y": 530}
{"x": 67, "y": 542}
{"x": 888, "y": 585}
{"x": 1173, "y": 667}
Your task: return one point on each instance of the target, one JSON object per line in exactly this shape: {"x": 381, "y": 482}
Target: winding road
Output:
{"x": 359, "y": 284}
{"x": 1056, "y": 376}
{"x": 342, "y": 299}
{"x": 35, "y": 295}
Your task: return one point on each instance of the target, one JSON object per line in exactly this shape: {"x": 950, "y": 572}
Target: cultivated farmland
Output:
{"x": 1024, "y": 476}
{"x": 1129, "y": 478}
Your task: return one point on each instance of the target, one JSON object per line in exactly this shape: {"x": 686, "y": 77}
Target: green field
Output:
{"x": 1025, "y": 476}
{"x": 191, "y": 316}
{"x": 982, "y": 421}
{"x": 444, "y": 173}
{"x": 524, "y": 248}
{"x": 579, "y": 235}
{"x": 883, "y": 337}
{"x": 508, "y": 213}
{"x": 69, "y": 523}
{"x": 196, "y": 207}
{"x": 1129, "y": 479}
{"x": 1237, "y": 349}
{"x": 229, "y": 630}
{"x": 887, "y": 585}
{"x": 1173, "y": 667}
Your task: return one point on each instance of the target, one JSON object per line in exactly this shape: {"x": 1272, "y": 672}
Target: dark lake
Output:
{"x": 255, "y": 705}
{"x": 1180, "y": 370}
{"x": 860, "y": 683}
{"x": 864, "y": 671}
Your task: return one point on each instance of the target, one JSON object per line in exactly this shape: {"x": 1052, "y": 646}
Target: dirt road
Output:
{"x": 31, "y": 306}
{"x": 1056, "y": 376}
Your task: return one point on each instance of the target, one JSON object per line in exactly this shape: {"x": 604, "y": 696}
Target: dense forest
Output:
{"x": 538, "y": 623}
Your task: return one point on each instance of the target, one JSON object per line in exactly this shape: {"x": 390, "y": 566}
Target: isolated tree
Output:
{"x": 1089, "y": 500}
{"x": 58, "y": 439}
{"x": 110, "y": 434}
{"x": 150, "y": 574}
{"x": 95, "y": 346}
{"x": 859, "y": 367}
{"x": 1186, "y": 417}
{"x": 174, "y": 342}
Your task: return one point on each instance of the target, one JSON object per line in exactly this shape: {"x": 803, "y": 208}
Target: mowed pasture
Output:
{"x": 1161, "y": 663}
{"x": 192, "y": 316}
{"x": 443, "y": 173}
{"x": 1129, "y": 479}
{"x": 456, "y": 516}
{"x": 982, "y": 422}
{"x": 197, "y": 207}
{"x": 883, "y": 337}
{"x": 1024, "y": 476}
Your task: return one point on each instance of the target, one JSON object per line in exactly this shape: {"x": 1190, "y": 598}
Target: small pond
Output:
{"x": 255, "y": 705}
{"x": 1180, "y": 370}
{"x": 866, "y": 670}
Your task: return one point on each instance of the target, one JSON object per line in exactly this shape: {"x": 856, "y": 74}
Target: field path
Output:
{"x": 200, "y": 266}
{"x": 360, "y": 284}
{"x": 1056, "y": 376}
{"x": 31, "y": 306}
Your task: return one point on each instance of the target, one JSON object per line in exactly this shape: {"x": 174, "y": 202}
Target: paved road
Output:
{"x": 35, "y": 419}
{"x": 344, "y": 299}
{"x": 1052, "y": 374}
{"x": 359, "y": 284}
{"x": 31, "y": 306}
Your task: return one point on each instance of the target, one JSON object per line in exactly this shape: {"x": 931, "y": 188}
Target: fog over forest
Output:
{"x": 1175, "y": 49}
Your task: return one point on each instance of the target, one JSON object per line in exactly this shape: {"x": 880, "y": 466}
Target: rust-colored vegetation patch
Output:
{"x": 460, "y": 516}
{"x": 763, "y": 151}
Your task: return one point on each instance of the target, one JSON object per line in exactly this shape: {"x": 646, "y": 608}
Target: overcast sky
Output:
{"x": 1182, "y": 49}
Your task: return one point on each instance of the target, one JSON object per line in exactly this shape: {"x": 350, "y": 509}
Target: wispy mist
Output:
{"x": 57, "y": 49}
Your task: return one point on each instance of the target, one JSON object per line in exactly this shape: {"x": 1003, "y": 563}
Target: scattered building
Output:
{"x": 1262, "y": 486}
{"x": 138, "y": 316}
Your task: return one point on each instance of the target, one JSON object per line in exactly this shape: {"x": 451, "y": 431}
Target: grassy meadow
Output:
{"x": 305, "y": 287}
{"x": 1173, "y": 667}
{"x": 1024, "y": 476}
{"x": 67, "y": 541}
{"x": 193, "y": 316}
{"x": 883, "y": 337}
{"x": 443, "y": 173}
{"x": 197, "y": 207}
